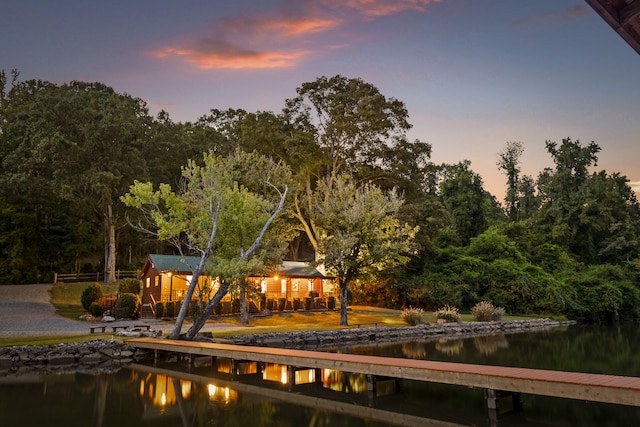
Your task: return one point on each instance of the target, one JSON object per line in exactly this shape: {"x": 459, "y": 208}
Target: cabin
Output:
{"x": 167, "y": 277}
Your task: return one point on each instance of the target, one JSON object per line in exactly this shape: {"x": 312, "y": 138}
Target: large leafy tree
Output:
{"x": 76, "y": 144}
{"x": 594, "y": 215}
{"x": 360, "y": 231}
{"x": 222, "y": 212}
{"x": 509, "y": 163}
{"x": 470, "y": 207}
{"x": 352, "y": 123}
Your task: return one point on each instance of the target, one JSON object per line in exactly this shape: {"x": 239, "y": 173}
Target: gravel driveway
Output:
{"x": 25, "y": 310}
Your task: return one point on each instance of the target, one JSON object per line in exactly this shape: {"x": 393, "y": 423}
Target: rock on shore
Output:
{"x": 99, "y": 356}
{"x": 371, "y": 333}
{"x": 94, "y": 356}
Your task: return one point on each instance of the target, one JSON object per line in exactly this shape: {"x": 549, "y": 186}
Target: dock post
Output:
{"x": 371, "y": 386}
{"x": 516, "y": 399}
{"x": 291, "y": 374}
{"x": 492, "y": 398}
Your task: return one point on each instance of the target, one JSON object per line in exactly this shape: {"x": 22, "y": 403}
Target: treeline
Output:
{"x": 564, "y": 242}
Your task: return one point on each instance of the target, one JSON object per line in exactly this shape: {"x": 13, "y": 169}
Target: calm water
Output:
{"x": 171, "y": 394}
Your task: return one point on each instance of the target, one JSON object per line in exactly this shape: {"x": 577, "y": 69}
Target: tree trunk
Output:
{"x": 182, "y": 314}
{"x": 243, "y": 306}
{"x": 199, "y": 323}
{"x": 177, "y": 329}
{"x": 343, "y": 303}
{"x": 109, "y": 246}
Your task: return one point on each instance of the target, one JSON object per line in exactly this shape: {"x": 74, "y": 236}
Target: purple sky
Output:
{"x": 473, "y": 74}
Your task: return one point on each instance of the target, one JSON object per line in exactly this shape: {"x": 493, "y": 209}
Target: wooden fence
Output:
{"x": 92, "y": 277}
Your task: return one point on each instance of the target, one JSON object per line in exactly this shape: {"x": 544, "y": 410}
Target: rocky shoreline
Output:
{"x": 372, "y": 333}
{"x": 101, "y": 356}
{"x": 93, "y": 357}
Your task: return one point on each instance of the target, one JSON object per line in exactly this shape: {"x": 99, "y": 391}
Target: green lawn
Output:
{"x": 66, "y": 299}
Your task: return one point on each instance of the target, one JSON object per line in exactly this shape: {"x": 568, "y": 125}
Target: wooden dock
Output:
{"x": 495, "y": 379}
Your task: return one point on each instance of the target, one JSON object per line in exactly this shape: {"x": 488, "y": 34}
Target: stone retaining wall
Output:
{"x": 351, "y": 336}
{"x": 94, "y": 356}
{"x": 98, "y": 356}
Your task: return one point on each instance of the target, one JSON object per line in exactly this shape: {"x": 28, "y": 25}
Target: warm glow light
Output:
{"x": 221, "y": 394}
{"x": 186, "y": 389}
{"x": 163, "y": 399}
{"x": 307, "y": 376}
{"x": 284, "y": 377}
{"x": 211, "y": 388}
{"x": 275, "y": 277}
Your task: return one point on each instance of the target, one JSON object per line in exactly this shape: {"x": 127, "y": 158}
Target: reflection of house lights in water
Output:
{"x": 221, "y": 394}
{"x": 163, "y": 399}
{"x": 283, "y": 376}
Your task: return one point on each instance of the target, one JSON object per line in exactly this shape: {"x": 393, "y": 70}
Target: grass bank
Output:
{"x": 66, "y": 299}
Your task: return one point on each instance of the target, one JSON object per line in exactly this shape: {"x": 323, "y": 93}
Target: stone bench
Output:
{"x": 93, "y": 329}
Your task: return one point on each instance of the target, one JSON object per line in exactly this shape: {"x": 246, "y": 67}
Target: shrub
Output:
{"x": 235, "y": 305}
{"x": 271, "y": 304}
{"x": 170, "y": 309}
{"x": 307, "y": 303}
{"x": 282, "y": 303}
{"x": 128, "y": 306}
{"x": 296, "y": 304}
{"x": 448, "y": 313}
{"x": 129, "y": 286}
{"x": 90, "y": 294}
{"x": 498, "y": 313}
{"x": 483, "y": 311}
{"x": 95, "y": 309}
{"x": 160, "y": 310}
{"x": 218, "y": 308}
{"x": 195, "y": 310}
{"x": 331, "y": 303}
{"x": 263, "y": 302}
{"x": 412, "y": 316}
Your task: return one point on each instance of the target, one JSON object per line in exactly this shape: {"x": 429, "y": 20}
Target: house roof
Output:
{"x": 623, "y": 16}
{"x": 186, "y": 264}
{"x": 175, "y": 263}
{"x": 299, "y": 269}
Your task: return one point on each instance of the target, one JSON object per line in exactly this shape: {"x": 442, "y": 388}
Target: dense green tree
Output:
{"x": 352, "y": 123}
{"x": 464, "y": 197}
{"x": 528, "y": 202}
{"x": 594, "y": 215}
{"x": 509, "y": 163}
{"x": 222, "y": 212}
{"x": 77, "y": 143}
{"x": 360, "y": 232}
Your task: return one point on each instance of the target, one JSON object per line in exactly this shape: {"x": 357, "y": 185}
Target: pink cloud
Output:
{"x": 228, "y": 58}
{"x": 281, "y": 38}
{"x": 377, "y": 8}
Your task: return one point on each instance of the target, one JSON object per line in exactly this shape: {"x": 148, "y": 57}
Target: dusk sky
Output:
{"x": 473, "y": 74}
